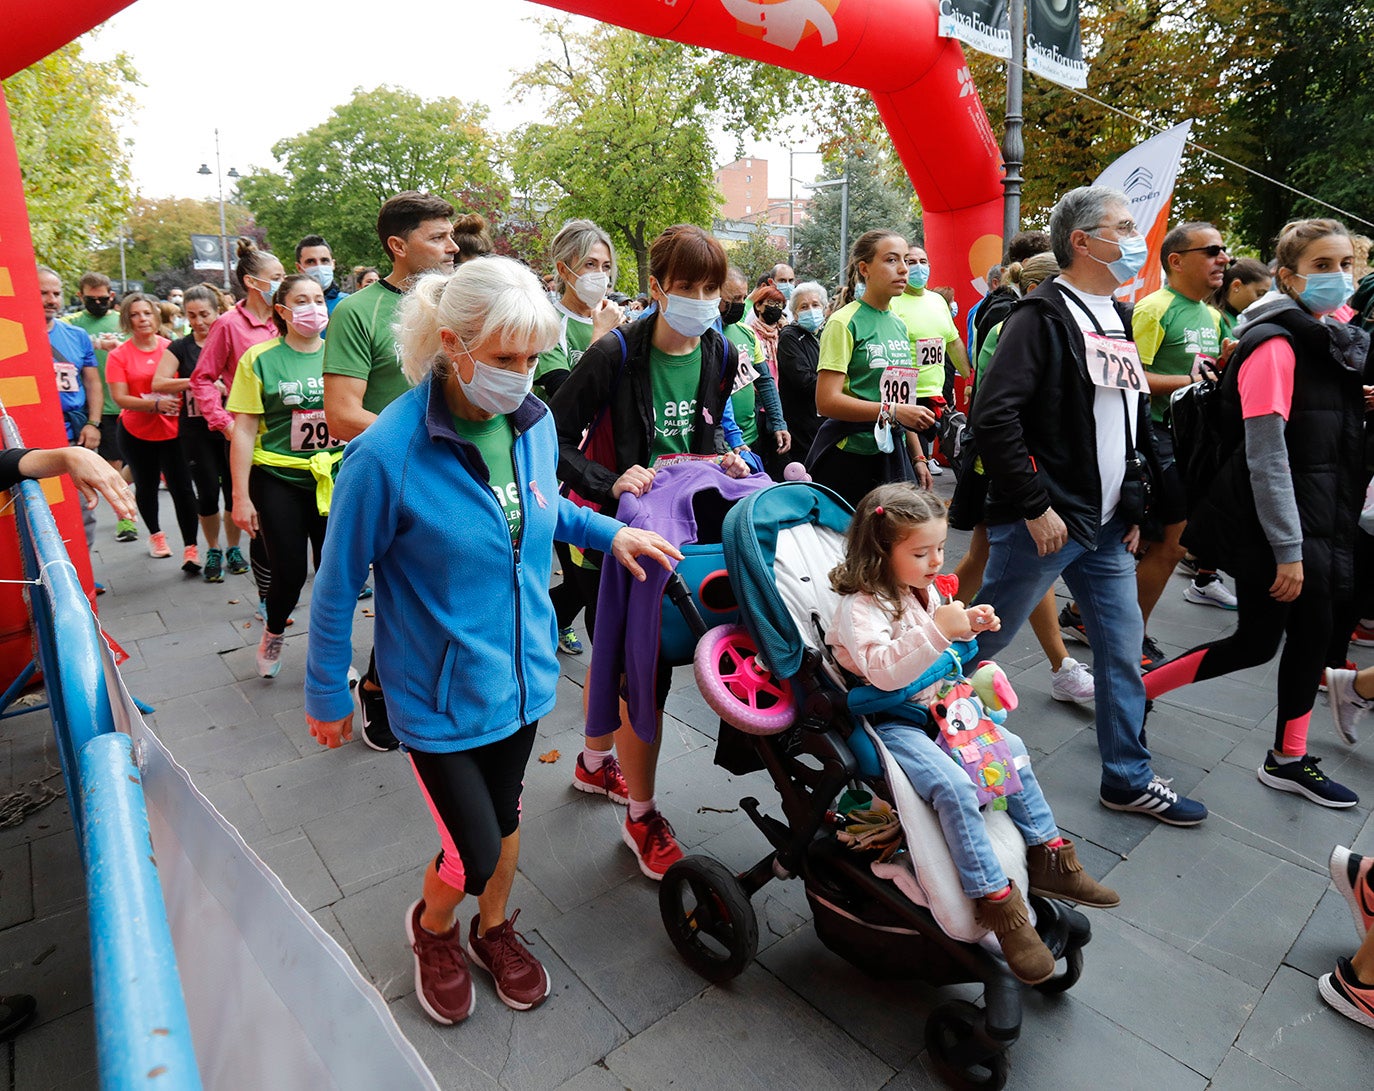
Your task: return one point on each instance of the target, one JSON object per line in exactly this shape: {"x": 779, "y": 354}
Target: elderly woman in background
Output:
{"x": 799, "y": 351}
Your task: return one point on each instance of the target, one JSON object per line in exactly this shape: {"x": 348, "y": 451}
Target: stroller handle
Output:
{"x": 866, "y": 700}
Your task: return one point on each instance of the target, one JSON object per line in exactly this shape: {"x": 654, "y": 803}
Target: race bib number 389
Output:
{"x": 310, "y": 432}
{"x": 899, "y": 385}
{"x": 1113, "y": 364}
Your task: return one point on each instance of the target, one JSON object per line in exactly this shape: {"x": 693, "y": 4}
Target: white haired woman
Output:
{"x": 451, "y": 497}
{"x": 799, "y": 353}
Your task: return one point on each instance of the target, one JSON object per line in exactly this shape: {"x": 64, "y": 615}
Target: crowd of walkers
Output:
{"x": 355, "y": 432}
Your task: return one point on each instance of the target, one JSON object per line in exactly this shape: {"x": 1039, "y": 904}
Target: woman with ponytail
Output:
{"x": 866, "y": 383}
{"x": 451, "y": 496}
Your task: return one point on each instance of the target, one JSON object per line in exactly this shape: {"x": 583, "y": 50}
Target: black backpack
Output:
{"x": 1200, "y": 445}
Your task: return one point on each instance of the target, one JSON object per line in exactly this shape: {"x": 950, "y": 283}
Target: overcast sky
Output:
{"x": 303, "y": 60}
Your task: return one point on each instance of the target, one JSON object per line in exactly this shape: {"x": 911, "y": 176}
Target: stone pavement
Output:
{"x": 1205, "y": 976}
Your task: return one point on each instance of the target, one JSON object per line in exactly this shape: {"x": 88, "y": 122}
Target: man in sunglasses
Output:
{"x": 1178, "y": 334}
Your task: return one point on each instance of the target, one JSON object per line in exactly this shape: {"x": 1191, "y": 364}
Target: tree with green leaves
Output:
{"x": 66, "y": 111}
{"x": 332, "y": 179}
{"x": 757, "y": 254}
{"x": 160, "y": 233}
{"x": 880, "y": 196}
{"x": 626, "y": 142}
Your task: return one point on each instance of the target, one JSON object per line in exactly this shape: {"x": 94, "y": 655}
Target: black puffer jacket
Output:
{"x": 1325, "y": 439}
{"x": 1033, "y": 421}
{"x": 592, "y": 384}
{"x": 799, "y": 354}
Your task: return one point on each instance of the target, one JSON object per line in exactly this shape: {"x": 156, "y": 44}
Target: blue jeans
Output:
{"x": 1103, "y": 583}
{"x": 942, "y": 782}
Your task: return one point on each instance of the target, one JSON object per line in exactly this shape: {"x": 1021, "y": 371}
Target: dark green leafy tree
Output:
{"x": 332, "y": 179}
{"x": 160, "y": 230}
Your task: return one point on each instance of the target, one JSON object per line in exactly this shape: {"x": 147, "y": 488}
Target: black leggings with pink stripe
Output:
{"x": 474, "y": 798}
{"x": 1261, "y": 623}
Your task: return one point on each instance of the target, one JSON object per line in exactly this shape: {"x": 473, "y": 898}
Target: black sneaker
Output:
{"x": 376, "y": 729}
{"x": 1151, "y": 654}
{"x": 1302, "y": 777}
{"x": 1071, "y": 624}
{"x": 1157, "y": 800}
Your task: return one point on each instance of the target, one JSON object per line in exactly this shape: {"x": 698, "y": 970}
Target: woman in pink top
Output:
{"x": 247, "y": 324}
{"x": 1283, "y": 506}
{"x": 148, "y": 427}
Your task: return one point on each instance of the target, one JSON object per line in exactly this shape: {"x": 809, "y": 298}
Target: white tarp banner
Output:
{"x": 980, "y": 24}
{"x": 1147, "y": 174}
{"x": 272, "y": 1000}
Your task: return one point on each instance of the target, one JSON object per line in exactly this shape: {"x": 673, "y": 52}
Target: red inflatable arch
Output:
{"x": 919, "y": 82}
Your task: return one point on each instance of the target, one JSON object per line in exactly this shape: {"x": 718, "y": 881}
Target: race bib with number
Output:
{"x": 68, "y": 379}
{"x": 192, "y": 405}
{"x": 898, "y": 385}
{"x": 930, "y": 352}
{"x": 310, "y": 431}
{"x": 1113, "y": 364}
{"x": 747, "y": 372}
{"x": 663, "y": 461}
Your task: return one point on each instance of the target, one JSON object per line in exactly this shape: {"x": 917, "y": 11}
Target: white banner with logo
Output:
{"x": 272, "y": 1000}
{"x": 980, "y": 24}
{"x": 1054, "y": 42}
{"x": 1146, "y": 174}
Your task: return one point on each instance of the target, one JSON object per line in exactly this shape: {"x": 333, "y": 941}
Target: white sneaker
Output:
{"x": 269, "y": 653}
{"x": 1072, "y": 683}
{"x": 935, "y": 468}
{"x": 1212, "y": 593}
{"x": 1347, "y": 706}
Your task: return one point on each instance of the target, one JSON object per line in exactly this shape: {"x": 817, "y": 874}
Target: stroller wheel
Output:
{"x": 952, "y": 1036}
{"x": 738, "y": 687}
{"x": 1063, "y": 982}
{"x": 709, "y": 917}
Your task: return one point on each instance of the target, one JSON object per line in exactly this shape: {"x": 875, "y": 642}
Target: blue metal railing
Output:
{"x": 143, "y": 1037}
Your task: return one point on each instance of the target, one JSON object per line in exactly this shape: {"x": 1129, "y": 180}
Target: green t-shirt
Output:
{"x": 674, "y": 381}
{"x": 574, "y": 339}
{"x": 95, "y": 327}
{"x": 362, "y": 344}
{"x": 495, "y": 442}
{"x": 1171, "y": 331}
{"x": 932, "y": 331}
{"x": 751, "y": 361}
{"x": 284, "y": 389}
{"x": 862, "y": 342}
{"x": 985, "y": 351}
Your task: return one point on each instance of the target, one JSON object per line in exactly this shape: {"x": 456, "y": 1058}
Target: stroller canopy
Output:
{"x": 780, "y": 545}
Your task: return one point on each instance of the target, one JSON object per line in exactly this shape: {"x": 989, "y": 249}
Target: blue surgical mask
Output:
{"x": 271, "y": 292}
{"x": 954, "y": 309}
{"x": 1325, "y": 292}
{"x": 691, "y": 317}
{"x": 786, "y": 290}
{"x": 323, "y": 275}
{"x": 494, "y": 389}
{"x": 1134, "y": 252}
{"x": 860, "y": 289}
{"x": 813, "y": 318}
{"x": 918, "y": 276}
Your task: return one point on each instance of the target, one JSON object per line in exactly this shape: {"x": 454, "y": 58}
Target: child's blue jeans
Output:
{"x": 942, "y": 782}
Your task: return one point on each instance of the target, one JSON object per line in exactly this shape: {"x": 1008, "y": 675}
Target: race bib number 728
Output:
{"x": 1113, "y": 364}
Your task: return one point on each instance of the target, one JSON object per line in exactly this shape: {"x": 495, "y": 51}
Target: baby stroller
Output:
{"x": 784, "y": 704}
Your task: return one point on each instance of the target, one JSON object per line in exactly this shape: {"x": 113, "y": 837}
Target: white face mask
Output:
{"x": 494, "y": 389}
{"x": 591, "y": 288}
{"x": 691, "y": 317}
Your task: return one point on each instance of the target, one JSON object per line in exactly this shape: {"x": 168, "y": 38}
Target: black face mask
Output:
{"x": 771, "y": 314}
{"x": 732, "y": 313}
{"x": 97, "y": 307}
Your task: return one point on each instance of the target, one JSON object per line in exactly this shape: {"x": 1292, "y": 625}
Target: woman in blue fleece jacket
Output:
{"x": 451, "y": 497}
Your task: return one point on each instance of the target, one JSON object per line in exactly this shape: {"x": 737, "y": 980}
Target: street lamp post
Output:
{"x": 792, "y": 153}
{"x": 1013, "y": 144}
{"x": 223, "y": 234}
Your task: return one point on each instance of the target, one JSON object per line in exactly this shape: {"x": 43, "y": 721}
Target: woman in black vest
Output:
{"x": 1282, "y": 510}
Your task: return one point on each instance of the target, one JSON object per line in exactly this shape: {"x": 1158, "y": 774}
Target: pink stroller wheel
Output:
{"x": 738, "y": 687}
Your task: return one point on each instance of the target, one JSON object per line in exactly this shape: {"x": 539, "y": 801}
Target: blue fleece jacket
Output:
{"x": 465, "y": 634}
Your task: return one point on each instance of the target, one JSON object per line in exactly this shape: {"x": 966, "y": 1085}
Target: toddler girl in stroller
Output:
{"x": 891, "y": 626}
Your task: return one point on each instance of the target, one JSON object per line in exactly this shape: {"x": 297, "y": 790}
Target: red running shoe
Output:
{"x": 606, "y": 781}
{"x": 653, "y": 843}
{"x": 521, "y": 980}
{"x": 1354, "y": 878}
{"x": 442, "y": 982}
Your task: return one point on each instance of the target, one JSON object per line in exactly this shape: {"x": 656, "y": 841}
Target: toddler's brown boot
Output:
{"x": 1056, "y": 873}
{"x": 1009, "y": 920}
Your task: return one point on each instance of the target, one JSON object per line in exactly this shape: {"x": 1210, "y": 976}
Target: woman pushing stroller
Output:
{"x": 889, "y": 629}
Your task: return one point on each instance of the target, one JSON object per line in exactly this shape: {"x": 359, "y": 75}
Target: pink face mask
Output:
{"x": 310, "y": 317}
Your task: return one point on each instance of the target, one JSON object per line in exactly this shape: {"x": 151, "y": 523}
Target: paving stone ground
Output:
{"x": 1204, "y": 977}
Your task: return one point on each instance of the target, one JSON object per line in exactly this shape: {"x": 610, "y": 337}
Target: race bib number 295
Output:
{"x": 310, "y": 432}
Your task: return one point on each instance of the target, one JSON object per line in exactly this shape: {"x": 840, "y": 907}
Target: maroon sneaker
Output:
{"x": 606, "y": 781}
{"x": 442, "y": 982}
{"x": 653, "y": 843}
{"x": 520, "y": 979}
